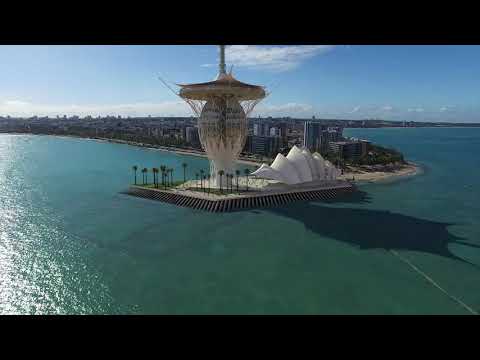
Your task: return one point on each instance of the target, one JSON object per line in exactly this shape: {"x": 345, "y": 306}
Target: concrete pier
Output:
{"x": 237, "y": 202}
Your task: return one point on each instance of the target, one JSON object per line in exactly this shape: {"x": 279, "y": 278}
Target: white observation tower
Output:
{"x": 222, "y": 107}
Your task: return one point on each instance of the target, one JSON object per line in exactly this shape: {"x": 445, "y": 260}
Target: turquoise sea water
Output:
{"x": 71, "y": 243}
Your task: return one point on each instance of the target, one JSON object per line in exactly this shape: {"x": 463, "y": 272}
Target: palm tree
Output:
{"x": 196, "y": 179}
{"x": 162, "y": 169}
{"x": 201, "y": 177}
{"x": 221, "y": 173}
{"x": 204, "y": 178}
{"x": 208, "y": 177}
{"x": 171, "y": 176}
{"x": 153, "y": 171}
{"x": 135, "y": 168}
{"x": 237, "y": 173}
{"x": 184, "y": 165}
{"x": 246, "y": 172}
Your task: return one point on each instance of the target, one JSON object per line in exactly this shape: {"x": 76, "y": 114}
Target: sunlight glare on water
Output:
{"x": 40, "y": 267}
{"x": 72, "y": 243}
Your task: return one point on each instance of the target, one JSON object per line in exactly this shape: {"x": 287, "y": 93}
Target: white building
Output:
{"x": 299, "y": 166}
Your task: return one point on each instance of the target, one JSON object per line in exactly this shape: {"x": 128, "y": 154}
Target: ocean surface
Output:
{"x": 72, "y": 243}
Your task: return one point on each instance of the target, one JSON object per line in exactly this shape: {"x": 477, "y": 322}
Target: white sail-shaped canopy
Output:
{"x": 286, "y": 168}
{"x": 311, "y": 163}
{"x": 331, "y": 171}
{"x": 299, "y": 166}
{"x": 320, "y": 164}
{"x": 267, "y": 172}
{"x": 299, "y": 161}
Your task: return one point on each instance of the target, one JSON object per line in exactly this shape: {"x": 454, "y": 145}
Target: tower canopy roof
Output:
{"x": 224, "y": 85}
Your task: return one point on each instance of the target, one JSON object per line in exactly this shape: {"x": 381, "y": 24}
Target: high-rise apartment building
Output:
{"x": 314, "y": 138}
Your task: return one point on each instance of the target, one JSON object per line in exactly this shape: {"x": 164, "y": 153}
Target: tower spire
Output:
{"x": 222, "y": 67}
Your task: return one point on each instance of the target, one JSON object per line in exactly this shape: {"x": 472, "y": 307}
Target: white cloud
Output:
{"x": 14, "y": 107}
{"x": 275, "y": 58}
{"x": 166, "y": 108}
{"x": 446, "y": 108}
{"x": 15, "y": 103}
{"x": 288, "y": 109}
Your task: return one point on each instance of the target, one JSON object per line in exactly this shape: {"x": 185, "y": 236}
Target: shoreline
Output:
{"x": 411, "y": 169}
{"x": 408, "y": 170}
{"x": 364, "y": 177}
{"x": 178, "y": 151}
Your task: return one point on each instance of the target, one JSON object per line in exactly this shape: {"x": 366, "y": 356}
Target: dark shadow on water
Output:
{"x": 356, "y": 197}
{"x": 374, "y": 229}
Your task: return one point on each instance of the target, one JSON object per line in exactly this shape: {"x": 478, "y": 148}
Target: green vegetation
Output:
{"x": 155, "y": 176}
{"x": 378, "y": 155}
{"x": 167, "y": 182}
{"x": 167, "y": 179}
{"x": 216, "y": 191}
{"x": 135, "y": 168}
{"x": 184, "y": 166}
{"x": 237, "y": 174}
{"x": 247, "y": 173}
{"x": 167, "y": 186}
{"x": 221, "y": 173}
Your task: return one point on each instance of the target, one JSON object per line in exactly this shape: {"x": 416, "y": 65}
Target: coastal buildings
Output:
{"x": 334, "y": 134}
{"x": 263, "y": 145}
{"x": 181, "y": 132}
{"x": 191, "y": 136}
{"x": 156, "y": 129}
{"x": 317, "y": 136}
{"x": 261, "y": 129}
{"x": 353, "y": 150}
{"x": 312, "y": 135}
{"x": 258, "y": 145}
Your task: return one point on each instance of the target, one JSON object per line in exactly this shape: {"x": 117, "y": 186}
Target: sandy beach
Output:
{"x": 360, "y": 176}
{"x": 377, "y": 176}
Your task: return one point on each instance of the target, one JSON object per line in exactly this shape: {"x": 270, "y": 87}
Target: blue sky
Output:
{"x": 431, "y": 83}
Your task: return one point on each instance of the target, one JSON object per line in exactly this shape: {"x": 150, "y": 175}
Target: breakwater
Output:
{"x": 228, "y": 203}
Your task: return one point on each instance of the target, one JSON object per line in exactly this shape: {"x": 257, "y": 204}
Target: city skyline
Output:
{"x": 411, "y": 83}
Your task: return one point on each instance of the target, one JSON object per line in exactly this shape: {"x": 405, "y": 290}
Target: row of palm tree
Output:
{"x": 230, "y": 177}
{"x": 167, "y": 177}
{"x": 203, "y": 180}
